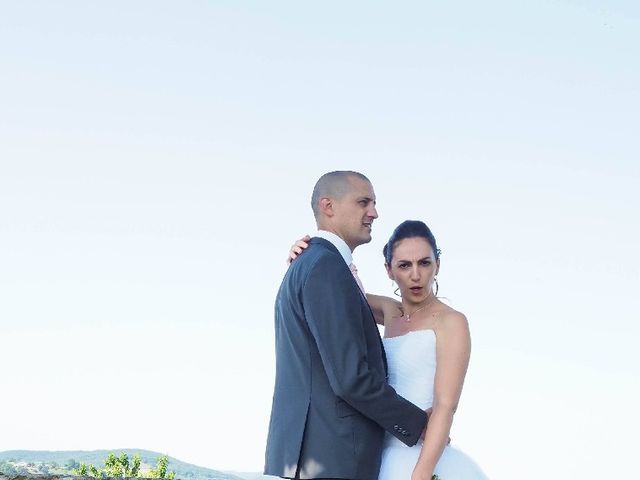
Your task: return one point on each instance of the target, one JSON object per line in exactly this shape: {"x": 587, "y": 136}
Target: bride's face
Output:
{"x": 413, "y": 267}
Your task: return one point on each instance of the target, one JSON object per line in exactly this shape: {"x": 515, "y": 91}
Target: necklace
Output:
{"x": 407, "y": 317}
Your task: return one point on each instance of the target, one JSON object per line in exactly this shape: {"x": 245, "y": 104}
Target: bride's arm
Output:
{"x": 453, "y": 349}
{"x": 384, "y": 307}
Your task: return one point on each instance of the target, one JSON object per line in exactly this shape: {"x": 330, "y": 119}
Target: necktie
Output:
{"x": 354, "y": 271}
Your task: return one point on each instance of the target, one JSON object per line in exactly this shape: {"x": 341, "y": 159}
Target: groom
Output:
{"x": 331, "y": 404}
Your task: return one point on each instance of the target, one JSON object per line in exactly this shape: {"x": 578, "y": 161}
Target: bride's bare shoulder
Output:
{"x": 451, "y": 320}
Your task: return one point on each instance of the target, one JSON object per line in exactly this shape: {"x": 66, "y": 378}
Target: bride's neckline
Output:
{"x": 410, "y": 332}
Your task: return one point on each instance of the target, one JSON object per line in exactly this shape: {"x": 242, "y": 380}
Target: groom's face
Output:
{"x": 355, "y": 212}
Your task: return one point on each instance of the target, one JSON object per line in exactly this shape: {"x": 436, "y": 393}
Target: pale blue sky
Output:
{"x": 156, "y": 161}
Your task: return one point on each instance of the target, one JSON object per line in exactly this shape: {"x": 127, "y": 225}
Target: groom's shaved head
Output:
{"x": 332, "y": 185}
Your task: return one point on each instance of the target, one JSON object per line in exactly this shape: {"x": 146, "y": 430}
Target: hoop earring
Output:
{"x": 435, "y": 280}
{"x": 395, "y": 292}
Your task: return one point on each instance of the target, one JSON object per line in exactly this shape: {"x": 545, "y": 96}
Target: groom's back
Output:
{"x": 292, "y": 332}
{"x": 312, "y": 431}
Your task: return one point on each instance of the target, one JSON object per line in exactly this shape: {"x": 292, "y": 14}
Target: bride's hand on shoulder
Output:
{"x": 297, "y": 248}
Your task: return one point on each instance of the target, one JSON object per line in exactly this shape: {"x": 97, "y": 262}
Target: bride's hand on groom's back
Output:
{"x": 297, "y": 248}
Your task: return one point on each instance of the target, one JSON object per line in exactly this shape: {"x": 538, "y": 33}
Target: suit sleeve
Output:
{"x": 334, "y": 315}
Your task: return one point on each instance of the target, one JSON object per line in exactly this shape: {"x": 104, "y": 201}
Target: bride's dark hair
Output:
{"x": 410, "y": 229}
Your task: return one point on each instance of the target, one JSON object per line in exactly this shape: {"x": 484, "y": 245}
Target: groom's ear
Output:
{"x": 326, "y": 206}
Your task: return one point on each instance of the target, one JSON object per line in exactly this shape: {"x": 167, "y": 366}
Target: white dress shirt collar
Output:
{"x": 337, "y": 242}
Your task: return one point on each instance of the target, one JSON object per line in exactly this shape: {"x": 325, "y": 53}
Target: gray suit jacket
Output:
{"x": 331, "y": 404}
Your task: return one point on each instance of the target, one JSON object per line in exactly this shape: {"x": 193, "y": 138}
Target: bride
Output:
{"x": 427, "y": 344}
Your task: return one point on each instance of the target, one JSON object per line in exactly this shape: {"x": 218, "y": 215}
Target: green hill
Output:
{"x": 63, "y": 461}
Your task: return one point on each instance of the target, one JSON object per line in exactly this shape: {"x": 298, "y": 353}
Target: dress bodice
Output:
{"x": 412, "y": 371}
{"x": 412, "y": 365}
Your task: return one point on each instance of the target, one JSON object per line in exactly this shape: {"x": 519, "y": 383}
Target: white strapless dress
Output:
{"x": 412, "y": 369}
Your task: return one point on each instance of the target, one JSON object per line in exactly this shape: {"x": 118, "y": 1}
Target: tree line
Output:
{"x": 121, "y": 466}
{"x": 114, "y": 466}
